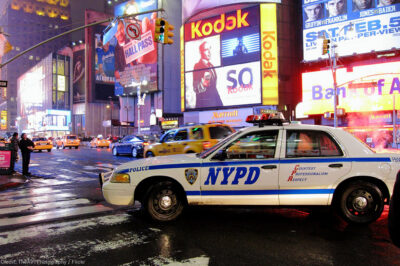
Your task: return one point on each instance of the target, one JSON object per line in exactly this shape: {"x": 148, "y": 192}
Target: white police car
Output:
{"x": 273, "y": 163}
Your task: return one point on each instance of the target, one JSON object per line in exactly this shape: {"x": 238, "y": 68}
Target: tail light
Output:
{"x": 206, "y": 145}
{"x": 145, "y": 144}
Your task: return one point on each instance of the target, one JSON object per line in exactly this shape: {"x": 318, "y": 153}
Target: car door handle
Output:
{"x": 184, "y": 144}
{"x": 336, "y": 165}
{"x": 271, "y": 166}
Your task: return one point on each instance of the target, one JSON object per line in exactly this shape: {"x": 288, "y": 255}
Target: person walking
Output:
{"x": 26, "y": 146}
{"x": 14, "y": 151}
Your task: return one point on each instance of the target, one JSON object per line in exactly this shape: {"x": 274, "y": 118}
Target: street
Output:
{"x": 60, "y": 217}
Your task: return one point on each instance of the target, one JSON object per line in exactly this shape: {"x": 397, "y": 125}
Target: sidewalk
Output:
{"x": 11, "y": 181}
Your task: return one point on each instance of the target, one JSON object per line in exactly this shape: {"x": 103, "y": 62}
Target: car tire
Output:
{"x": 49, "y": 150}
{"x": 149, "y": 154}
{"x": 394, "y": 214}
{"x": 76, "y": 147}
{"x": 114, "y": 151}
{"x": 40, "y": 150}
{"x": 164, "y": 202}
{"x": 361, "y": 202}
{"x": 134, "y": 152}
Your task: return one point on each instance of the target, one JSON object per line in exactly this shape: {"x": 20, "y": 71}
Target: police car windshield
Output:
{"x": 205, "y": 153}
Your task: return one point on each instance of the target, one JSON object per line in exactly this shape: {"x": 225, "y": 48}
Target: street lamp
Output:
{"x": 333, "y": 62}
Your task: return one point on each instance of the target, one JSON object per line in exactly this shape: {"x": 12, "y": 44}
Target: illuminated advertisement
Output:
{"x": 79, "y": 75}
{"x": 135, "y": 60}
{"x": 228, "y": 62}
{"x": 232, "y": 117}
{"x": 372, "y": 21}
{"x": 104, "y": 60}
{"x": 57, "y": 120}
{"x": 5, "y": 159}
{"x": 366, "y": 88}
{"x": 31, "y": 91}
{"x": 191, "y": 7}
{"x": 3, "y": 120}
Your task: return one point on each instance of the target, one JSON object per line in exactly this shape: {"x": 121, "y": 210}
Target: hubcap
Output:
{"x": 165, "y": 202}
{"x": 360, "y": 203}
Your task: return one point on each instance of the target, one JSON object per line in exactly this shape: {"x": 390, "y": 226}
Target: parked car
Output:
{"x": 188, "y": 139}
{"x": 131, "y": 144}
{"x": 42, "y": 143}
{"x": 273, "y": 164}
{"x": 99, "y": 143}
{"x": 67, "y": 141}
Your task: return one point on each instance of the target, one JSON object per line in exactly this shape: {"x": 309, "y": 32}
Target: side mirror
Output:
{"x": 220, "y": 155}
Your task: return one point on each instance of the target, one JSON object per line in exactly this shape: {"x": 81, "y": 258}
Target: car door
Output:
{"x": 248, "y": 175}
{"x": 164, "y": 147}
{"x": 180, "y": 141}
{"x": 312, "y": 161}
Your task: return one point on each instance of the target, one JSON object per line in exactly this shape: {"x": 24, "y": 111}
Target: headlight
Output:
{"x": 120, "y": 178}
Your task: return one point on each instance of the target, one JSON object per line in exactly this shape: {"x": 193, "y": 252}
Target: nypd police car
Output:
{"x": 272, "y": 164}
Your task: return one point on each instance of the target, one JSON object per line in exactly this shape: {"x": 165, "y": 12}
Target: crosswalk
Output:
{"x": 44, "y": 199}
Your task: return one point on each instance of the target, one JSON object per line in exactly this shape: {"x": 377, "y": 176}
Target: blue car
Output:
{"x": 131, "y": 144}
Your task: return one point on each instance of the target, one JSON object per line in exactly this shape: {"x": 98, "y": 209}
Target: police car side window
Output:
{"x": 309, "y": 143}
{"x": 256, "y": 145}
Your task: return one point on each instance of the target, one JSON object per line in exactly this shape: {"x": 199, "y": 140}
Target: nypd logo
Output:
{"x": 232, "y": 175}
{"x": 191, "y": 175}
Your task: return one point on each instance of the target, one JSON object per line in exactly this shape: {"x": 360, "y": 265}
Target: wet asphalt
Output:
{"x": 59, "y": 217}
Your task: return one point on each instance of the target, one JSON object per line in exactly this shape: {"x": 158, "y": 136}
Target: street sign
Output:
{"x": 3, "y": 83}
{"x": 133, "y": 31}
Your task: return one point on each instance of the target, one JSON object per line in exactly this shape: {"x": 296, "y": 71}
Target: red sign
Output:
{"x": 204, "y": 28}
{"x": 133, "y": 31}
{"x": 5, "y": 159}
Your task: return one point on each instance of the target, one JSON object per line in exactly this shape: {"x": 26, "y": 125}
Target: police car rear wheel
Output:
{"x": 164, "y": 202}
{"x": 361, "y": 202}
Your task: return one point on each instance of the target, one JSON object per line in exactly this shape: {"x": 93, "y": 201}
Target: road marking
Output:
{"x": 36, "y": 200}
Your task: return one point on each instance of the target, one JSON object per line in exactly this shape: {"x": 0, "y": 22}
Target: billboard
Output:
{"x": 367, "y": 88}
{"x": 372, "y": 21}
{"x": 79, "y": 74}
{"x": 135, "y": 60}
{"x": 192, "y": 7}
{"x": 58, "y": 120}
{"x": 227, "y": 62}
{"x": 104, "y": 60}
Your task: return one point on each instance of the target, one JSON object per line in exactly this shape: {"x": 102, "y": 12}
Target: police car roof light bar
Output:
{"x": 271, "y": 119}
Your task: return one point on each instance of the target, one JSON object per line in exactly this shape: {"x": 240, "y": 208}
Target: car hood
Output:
{"x": 157, "y": 161}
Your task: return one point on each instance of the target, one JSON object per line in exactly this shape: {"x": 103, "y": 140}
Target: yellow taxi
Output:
{"x": 68, "y": 141}
{"x": 188, "y": 139}
{"x": 42, "y": 144}
{"x": 99, "y": 143}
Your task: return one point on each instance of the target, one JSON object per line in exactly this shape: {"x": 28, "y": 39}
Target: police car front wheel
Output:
{"x": 361, "y": 202}
{"x": 164, "y": 202}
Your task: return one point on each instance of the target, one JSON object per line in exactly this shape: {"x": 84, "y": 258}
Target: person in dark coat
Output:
{"x": 394, "y": 214}
{"x": 26, "y": 146}
{"x": 14, "y": 151}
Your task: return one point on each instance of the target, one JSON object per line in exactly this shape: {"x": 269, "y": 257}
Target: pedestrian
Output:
{"x": 26, "y": 146}
{"x": 394, "y": 214}
{"x": 14, "y": 151}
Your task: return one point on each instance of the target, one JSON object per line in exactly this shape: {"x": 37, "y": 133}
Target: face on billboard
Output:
{"x": 223, "y": 69}
{"x": 335, "y": 7}
{"x": 314, "y": 12}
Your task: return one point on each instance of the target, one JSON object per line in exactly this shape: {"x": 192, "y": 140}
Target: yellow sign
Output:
{"x": 182, "y": 70}
{"x": 381, "y": 91}
{"x": 269, "y": 52}
{"x": 3, "y": 120}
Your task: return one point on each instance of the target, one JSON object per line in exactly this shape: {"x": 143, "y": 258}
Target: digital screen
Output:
{"x": 367, "y": 88}
{"x": 372, "y": 20}
{"x": 135, "y": 60}
{"x": 79, "y": 75}
{"x": 57, "y": 119}
{"x": 104, "y": 60}
{"x": 222, "y": 60}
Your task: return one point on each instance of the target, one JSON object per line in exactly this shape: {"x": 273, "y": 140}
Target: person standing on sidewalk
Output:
{"x": 26, "y": 146}
{"x": 14, "y": 151}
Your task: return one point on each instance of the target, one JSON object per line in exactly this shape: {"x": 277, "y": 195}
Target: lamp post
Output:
{"x": 333, "y": 62}
{"x": 140, "y": 100}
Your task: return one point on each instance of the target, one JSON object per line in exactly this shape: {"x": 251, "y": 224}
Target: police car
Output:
{"x": 273, "y": 163}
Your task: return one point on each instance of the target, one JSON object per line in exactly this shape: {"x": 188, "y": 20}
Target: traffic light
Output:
{"x": 168, "y": 34}
{"x": 159, "y": 31}
{"x": 325, "y": 46}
